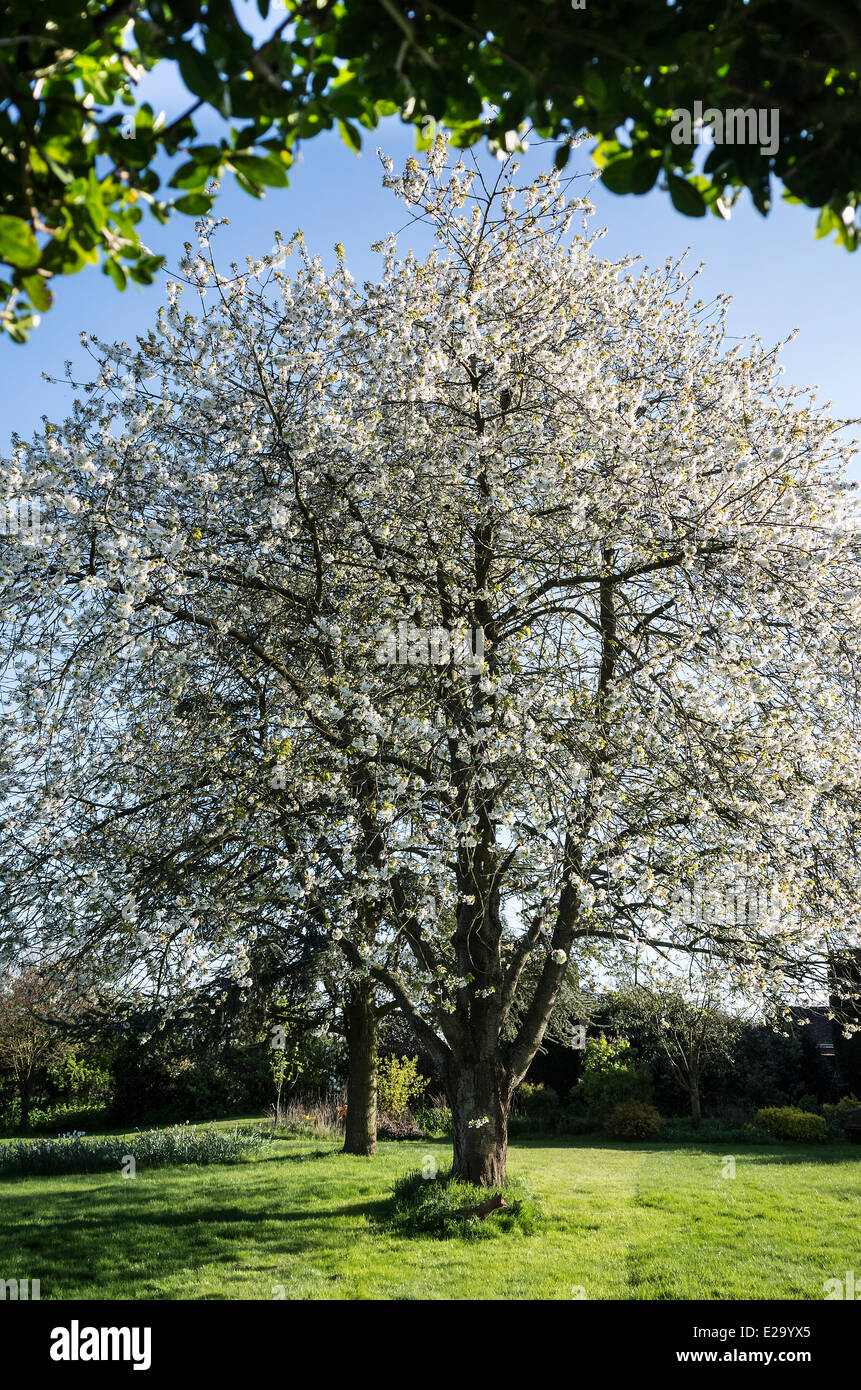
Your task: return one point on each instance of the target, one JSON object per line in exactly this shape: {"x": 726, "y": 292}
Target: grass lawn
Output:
{"x": 642, "y": 1221}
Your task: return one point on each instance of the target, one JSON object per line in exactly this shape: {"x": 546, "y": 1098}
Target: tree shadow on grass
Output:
{"x": 113, "y": 1241}
{"x": 371, "y": 1209}
{"x": 763, "y": 1153}
{"x": 307, "y": 1157}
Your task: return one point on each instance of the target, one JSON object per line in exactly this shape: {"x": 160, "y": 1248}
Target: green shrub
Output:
{"x": 607, "y": 1054}
{"x": 633, "y": 1119}
{"x": 832, "y": 1115}
{"x": 81, "y": 1078}
{"x": 75, "y": 1153}
{"x": 833, "y": 1125}
{"x": 429, "y": 1206}
{"x": 537, "y": 1103}
{"x": 713, "y": 1130}
{"x": 597, "y": 1092}
{"x": 810, "y": 1105}
{"x": 434, "y": 1121}
{"x": 398, "y": 1083}
{"x": 753, "y": 1134}
{"x": 610, "y": 1076}
{"x": 570, "y": 1122}
{"x": 785, "y": 1122}
{"x": 67, "y": 1115}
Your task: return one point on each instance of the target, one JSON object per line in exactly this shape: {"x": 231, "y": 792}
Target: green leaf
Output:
{"x": 248, "y": 185}
{"x": 37, "y": 288}
{"x": 606, "y": 151}
{"x": 632, "y": 173}
{"x": 18, "y": 246}
{"x": 193, "y": 203}
{"x": 191, "y": 175}
{"x": 143, "y": 271}
{"x": 350, "y": 135}
{"x": 199, "y": 75}
{"x": 116, "y": 272}
{"x": 265, "y": 169}
{"x": 826, "y": 223}
{"x": 686, "y": 199}
{"x": 595, "y": 87}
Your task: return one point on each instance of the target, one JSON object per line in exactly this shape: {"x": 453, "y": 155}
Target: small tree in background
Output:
{"x": 32, "y": 1040}
{"x": 690, "y": 1027}
{"x": 611, "y": 1076}
{"x": 399, "y": 1082}
{"x": 285, "y": 1061}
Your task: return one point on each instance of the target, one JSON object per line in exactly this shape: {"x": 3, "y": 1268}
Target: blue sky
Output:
{"x": 780, "y": 277}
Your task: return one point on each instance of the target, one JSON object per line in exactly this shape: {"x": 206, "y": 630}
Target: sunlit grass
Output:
{"x": 645, "y": 1221}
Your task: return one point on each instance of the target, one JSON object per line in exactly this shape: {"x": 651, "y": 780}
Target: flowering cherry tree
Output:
{"x": 633, "y": 536}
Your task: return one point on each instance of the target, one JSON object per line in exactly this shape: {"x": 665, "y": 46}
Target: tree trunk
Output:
{"x": 696, "y": 1113}
{"x": 24, "y": 1095}
{"x": 478, "y": 1092}
{"x": 360, "y": 1020}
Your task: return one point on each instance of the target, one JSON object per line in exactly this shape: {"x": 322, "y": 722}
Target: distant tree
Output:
{"x": 689, "y": 1026}
{"x": 35, "y": 1006}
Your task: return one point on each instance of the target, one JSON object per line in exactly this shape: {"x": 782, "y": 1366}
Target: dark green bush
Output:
{"x": 785, "y": 1122}
{"x": 597, "y": 1092}
{"x": 810, "y": 1104}
{"x": 832, "y": 1124}
{"x": 714, "y": 1131}
{"x": 633, "y": 1119}
{"x": 535, "y": 1101}
{"x": 571, "y": 1122}
{"x": 428, "y": 1206}
{"x": 434, "y": 1121}
{"x": 155, "y": 1082}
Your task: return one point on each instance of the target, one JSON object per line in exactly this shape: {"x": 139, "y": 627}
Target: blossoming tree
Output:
{"x": 633, "y": 537}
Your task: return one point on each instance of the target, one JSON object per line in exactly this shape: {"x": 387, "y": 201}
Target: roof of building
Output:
{"x": 815, "y": 1020}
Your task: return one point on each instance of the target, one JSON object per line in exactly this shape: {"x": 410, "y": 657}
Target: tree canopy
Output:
{"x": 630, "y": 534}
{"x": 80, "y": 151}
